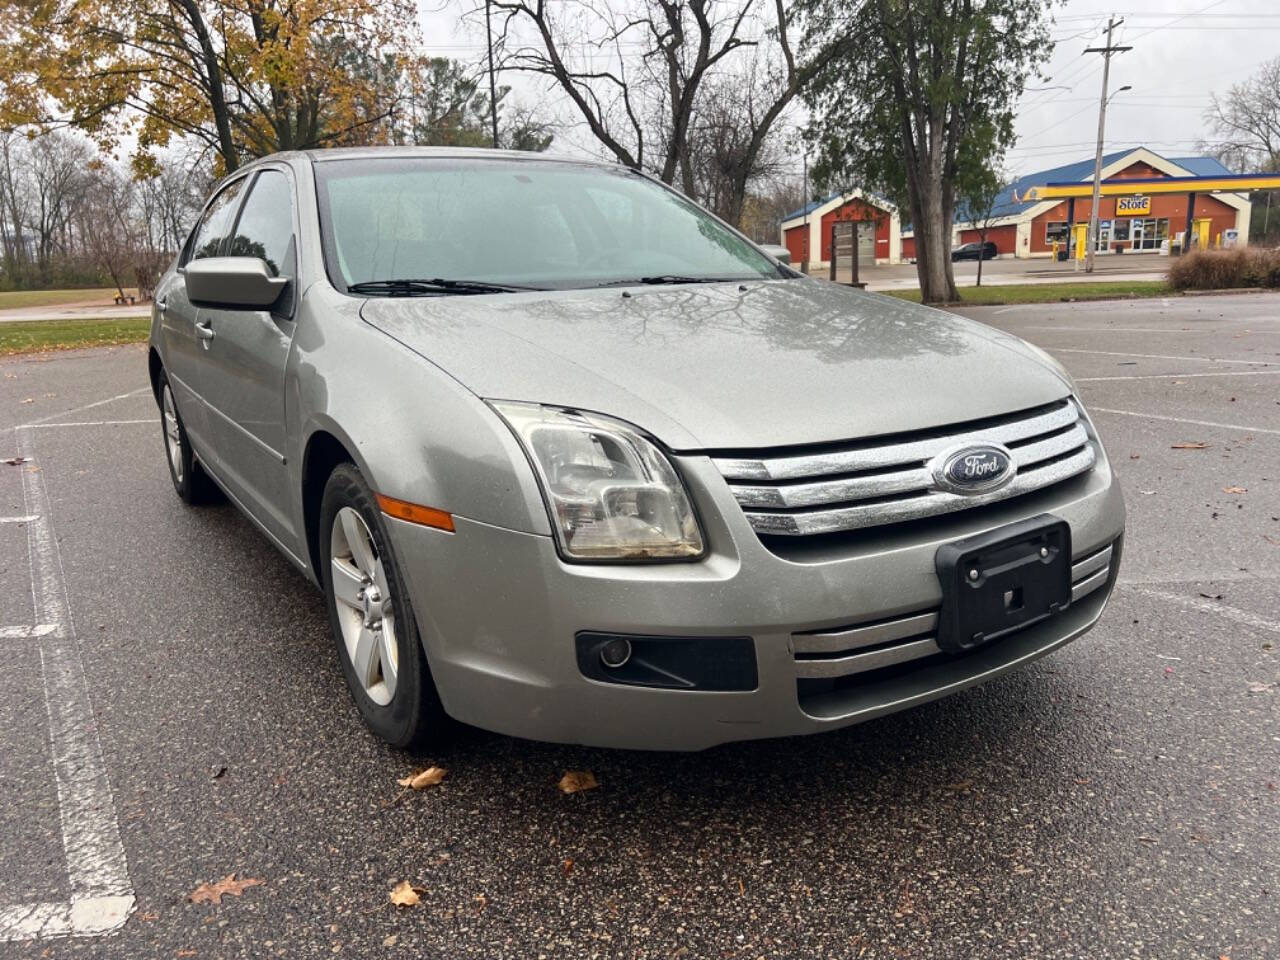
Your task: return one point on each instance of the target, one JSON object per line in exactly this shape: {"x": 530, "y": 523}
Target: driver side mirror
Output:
{"x": 245, "y": 282}
{"x": 778, "y": 252}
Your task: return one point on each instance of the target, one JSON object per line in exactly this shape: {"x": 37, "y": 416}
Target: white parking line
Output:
{"x": 17, "y": 519}
{"x": 1160, "y": 356}
{"x": 97, "y": 871}
{"x": 1181, "y": 376}
{"x": 1243, "y": 617}
{"x": 83, "y": 423}
{"x": 25, "y": 631}
{"x": 1198, "y": 423}
{"x": 89, "y": 406}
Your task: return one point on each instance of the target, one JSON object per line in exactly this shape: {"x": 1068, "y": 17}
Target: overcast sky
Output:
{"x": 1183, "y": 51}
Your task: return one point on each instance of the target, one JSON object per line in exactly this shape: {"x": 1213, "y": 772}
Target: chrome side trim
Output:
{"x": 891, "y": 454}
{"x": 914, "y": 508}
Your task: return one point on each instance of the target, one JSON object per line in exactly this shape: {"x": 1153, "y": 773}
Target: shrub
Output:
{"x": 1225, "y": 269}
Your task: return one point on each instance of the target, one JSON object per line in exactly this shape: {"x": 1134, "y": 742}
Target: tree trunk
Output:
{"x": 217, "y": 101}
{"x": 933, "y": 242}
{"x": 982, "y": 251}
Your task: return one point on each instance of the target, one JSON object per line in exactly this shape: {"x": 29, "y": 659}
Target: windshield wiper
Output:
{"x": 409, "y": 288}
{"x": 666, "y": 278}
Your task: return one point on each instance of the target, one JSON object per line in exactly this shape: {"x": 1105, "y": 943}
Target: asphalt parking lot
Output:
{"x": 172, "y": 712}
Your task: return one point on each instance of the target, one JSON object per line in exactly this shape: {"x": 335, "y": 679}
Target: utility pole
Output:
{"x": 1106, "y": 52}
{"x": 493, "y": 84}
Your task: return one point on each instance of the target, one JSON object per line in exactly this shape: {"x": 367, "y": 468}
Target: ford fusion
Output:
{"x": 573, "y": 460}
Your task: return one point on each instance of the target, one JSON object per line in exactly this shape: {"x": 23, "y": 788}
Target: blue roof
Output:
{"x": 1202, "y": 166}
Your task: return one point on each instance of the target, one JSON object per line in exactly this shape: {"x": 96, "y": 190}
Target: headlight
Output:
{"x": 611, "y": 493}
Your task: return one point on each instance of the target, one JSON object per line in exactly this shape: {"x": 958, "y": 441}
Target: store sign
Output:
{"x": 1133, "y": 206}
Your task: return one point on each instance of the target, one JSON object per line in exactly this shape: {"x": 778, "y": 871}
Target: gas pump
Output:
{"x": 1080, "y": 241}
{"x": 1200, "y": 228}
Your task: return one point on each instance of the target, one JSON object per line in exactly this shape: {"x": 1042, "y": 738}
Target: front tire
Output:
{"x": 372, "y": 621}
{"x": 190, "y": 482}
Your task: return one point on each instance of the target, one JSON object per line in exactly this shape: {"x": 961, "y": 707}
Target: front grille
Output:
{"x": 853, "y": 486}
{"x": 841, "y": 652}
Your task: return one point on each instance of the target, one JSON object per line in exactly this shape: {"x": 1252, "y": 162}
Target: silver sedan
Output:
{"x": 573, "y": 460}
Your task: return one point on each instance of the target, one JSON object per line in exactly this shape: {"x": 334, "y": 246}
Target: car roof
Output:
{"x": 464, "y": 153}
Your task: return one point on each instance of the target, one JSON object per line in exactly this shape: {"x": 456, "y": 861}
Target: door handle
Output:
{"x": 162, "y": 304}
{"x": 204, "y": 332}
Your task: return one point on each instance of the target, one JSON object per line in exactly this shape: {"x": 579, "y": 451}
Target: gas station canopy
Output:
{"x": 1236, "y": 183}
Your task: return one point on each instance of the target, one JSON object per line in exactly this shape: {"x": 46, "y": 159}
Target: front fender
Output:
{"x": 415, "y": 433}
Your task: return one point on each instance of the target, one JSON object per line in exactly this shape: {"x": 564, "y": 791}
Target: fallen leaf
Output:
{"x": 186, "y": 953}
{"x": 423, "y": 778}
{"x": 405, "y": 894}
{"x": 213, "y": 892}
{"x": 29, "y": 400}
{"x": 1211, "y": 596}
{"x": 567, "y": 867}
{"x": 1234, "y": 490}
{"x": 216, "y": 771}
{"x": 1189, "y": 446}
{"x": 575, "y": 781}
{"x": 1257, "y": 686}
{"x": 481, "y": 901}
{"x": 14, "y": 461}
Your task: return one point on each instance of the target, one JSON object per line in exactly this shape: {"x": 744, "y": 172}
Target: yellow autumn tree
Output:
{"x": 246, "y": 77}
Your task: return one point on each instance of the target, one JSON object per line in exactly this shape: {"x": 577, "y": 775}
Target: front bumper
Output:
{"x": 499, "y": 610}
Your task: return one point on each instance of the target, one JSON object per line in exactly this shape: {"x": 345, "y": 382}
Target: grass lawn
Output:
{"x": 36, "y": 335}
{"x": 1052, "y": 292}
{"x": 12, "y": 299}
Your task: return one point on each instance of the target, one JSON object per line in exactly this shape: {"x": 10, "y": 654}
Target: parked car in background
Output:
{"x": 972, "y": 251}
{"x": 571, "y": 459}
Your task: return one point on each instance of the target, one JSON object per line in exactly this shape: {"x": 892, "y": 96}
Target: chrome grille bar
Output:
{"x": 827, "y": 654}
{"x": 856, "y": 487}
{"x": 913, "y": 508}
{"x": 875, "y": 457}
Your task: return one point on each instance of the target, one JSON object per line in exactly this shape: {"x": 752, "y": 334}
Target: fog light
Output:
{"x": 616, "y": 653}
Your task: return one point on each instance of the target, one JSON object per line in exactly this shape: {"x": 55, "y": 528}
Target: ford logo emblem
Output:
{"x": 974, "y": 468}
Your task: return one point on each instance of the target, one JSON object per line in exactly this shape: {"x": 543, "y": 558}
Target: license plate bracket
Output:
{"x": 1023, "y": 575}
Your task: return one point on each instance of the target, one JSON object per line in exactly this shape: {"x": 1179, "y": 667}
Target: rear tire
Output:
{"x": 190, "y": 482}
{"x": 372, "y": 621}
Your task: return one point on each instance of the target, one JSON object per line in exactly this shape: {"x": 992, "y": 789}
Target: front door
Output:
{"x": 1136, "y": 234}
{"x": 180, "y": 341}
{"x": 242, "y": 370}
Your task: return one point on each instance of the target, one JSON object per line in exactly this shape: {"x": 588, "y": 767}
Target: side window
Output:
{"x": 216, "y": 223}
{"x": 265, "y": 227}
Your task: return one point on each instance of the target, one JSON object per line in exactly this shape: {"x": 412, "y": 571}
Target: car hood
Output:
{"x": 724, "y": 366}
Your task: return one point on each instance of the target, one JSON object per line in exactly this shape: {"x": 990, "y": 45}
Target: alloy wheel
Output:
{"x": 366, "y": 614}
{"x": 172, "y": 433}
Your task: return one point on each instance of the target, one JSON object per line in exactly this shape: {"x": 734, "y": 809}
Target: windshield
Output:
{"x": 541, "y": 224}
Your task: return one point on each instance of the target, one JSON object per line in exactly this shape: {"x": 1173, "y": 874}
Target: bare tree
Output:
{"x": 653, "y": 79}
{"x": 982, "y": 191}
{"x": 111, "y": 234}
{"x": 1247, "y": 118}
{"x": 58, "y": 183}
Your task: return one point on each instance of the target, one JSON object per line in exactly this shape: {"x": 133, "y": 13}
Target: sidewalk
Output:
{"x": 902, "y": 276}
{"x": 76, "y": 311}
